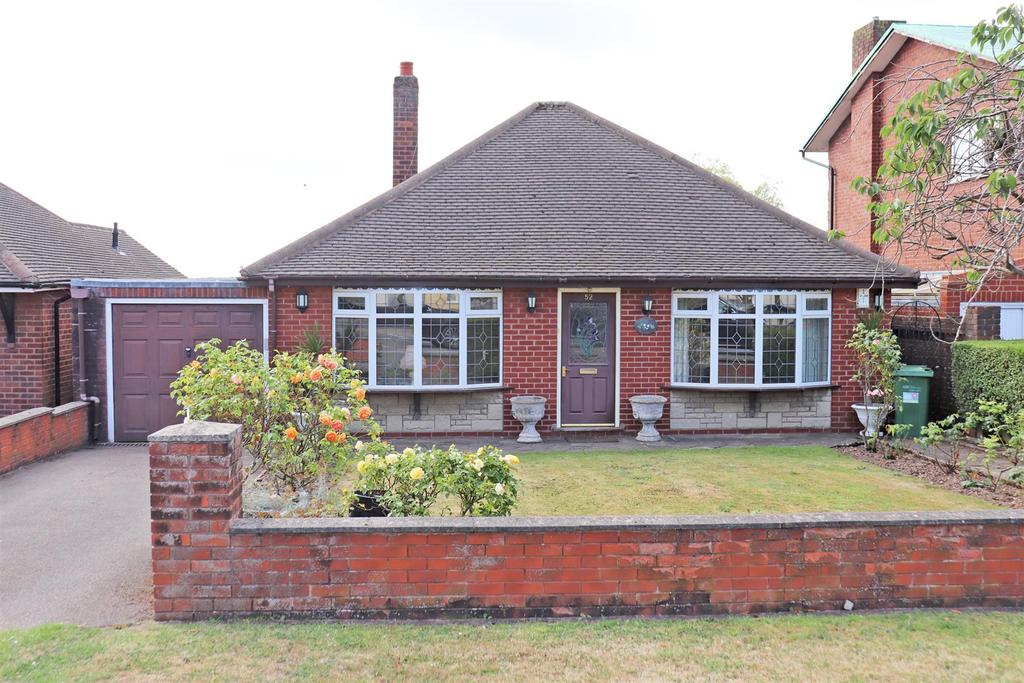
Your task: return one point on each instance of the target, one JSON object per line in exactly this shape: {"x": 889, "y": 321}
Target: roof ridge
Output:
{"x": 757, "y": 203}
{"x": 385, "y": 198}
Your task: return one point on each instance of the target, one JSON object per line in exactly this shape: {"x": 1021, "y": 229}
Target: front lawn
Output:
{"x": 934, "y": 646}
{"x": 720, "y": 480}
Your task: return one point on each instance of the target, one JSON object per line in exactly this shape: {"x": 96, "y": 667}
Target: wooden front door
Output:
{"x": 589, "y": 323}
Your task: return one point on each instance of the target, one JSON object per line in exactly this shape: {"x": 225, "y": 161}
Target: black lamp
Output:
{"x": 531, "y": 302}
{"x": 302, "y": 300}
{"x": 648, "y": 304}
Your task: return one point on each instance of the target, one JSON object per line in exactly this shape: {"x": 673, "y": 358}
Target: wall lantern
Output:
{"x": 531, "y": 302}
{"x": 648, "y": 304}
{"x": 302, "y": 300}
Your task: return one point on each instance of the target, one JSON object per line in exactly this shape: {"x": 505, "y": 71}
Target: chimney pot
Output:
{"x": 405, "y": 133}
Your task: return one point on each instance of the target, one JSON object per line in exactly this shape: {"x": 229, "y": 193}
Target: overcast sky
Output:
{"x": 216, "y": 132}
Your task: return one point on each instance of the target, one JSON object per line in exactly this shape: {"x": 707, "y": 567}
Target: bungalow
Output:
{"x": 561, "y": 255}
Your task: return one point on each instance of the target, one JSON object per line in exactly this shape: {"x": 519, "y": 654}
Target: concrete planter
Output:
{"x": 528, "y": 410}
{"x": 871, "y": 417}
{"x": 648, "y": 409}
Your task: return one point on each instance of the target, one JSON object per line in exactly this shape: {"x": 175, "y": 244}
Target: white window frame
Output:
{"x": 370, "y": 314}
{"x": 759, "y": 316}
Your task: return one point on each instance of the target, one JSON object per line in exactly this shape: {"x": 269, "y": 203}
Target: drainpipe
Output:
{"x": 56, "y": 347}
{"x": 831, "y": 189}
{"x": 83, "y": 382}
{"x": 272, "y": 341}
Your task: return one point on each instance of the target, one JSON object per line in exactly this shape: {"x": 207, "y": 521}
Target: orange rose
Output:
{"x": 337, "y": 425}
{"x": 365, "y": 412}
{"x": 360, "y": 394}
{"x": 342, "y": 437}
{"x": 291, "y": 433}
{"x": 316, "y": 375}
{"x": 296, "y": 378}
{"x": 325, "y": 419}
{"x": 331, "y": 435}
{"x": 194, "y": 364}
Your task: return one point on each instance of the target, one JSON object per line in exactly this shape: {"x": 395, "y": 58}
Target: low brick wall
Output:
{"x": 41, "y": 432}
{"x": 208, "y": 562}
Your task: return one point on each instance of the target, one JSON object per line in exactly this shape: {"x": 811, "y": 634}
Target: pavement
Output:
{"x": 75, "y": 541}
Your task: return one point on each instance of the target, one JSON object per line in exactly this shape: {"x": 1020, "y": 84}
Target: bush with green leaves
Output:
{"x": 297, "y": 412}
{"x": 990, "y": 370}
{"x": 410, "y": 482}
{"x": 948, "y": 437}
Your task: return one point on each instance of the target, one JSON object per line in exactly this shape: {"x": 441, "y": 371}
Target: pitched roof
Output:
{"x": 557, "y": 194}
{"x": 954, "y": 38}
{"x": 39, "y": 248}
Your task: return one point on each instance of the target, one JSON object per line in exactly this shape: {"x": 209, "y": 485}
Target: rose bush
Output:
{"x": 297, "y": 413}
{"x": 410, "y": 482}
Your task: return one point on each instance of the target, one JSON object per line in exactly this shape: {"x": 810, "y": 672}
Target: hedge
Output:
{"x": 992, "y": 370}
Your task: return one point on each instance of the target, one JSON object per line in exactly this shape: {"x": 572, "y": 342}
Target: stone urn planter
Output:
{"x": 871, "y": 417}
{"x": 648, "y": 408}
{"x": 528, "y": 410}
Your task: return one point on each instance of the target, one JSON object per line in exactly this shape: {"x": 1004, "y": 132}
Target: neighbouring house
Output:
{"x": 885, "y": 54}
{"x": 561, "y": 255}
{"x": 40, "y": 253}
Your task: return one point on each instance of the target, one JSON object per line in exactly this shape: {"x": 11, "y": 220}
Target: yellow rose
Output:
{"x": 416, "y": 473}
{"x": 511, "y": 459}
{"x": 408, "y": 452}
{"x": 477, "y": 464}
{"x": 360, "y": 445}
{"x": 499, "y": 488}
{"x": 361, "y": 466}
{"x": 354, "y": 384}
{"x": 391, "y": 458}
{"x": 480, "y": 451}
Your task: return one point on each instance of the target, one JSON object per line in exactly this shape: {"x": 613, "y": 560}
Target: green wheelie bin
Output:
{"x": 912, "y": 384}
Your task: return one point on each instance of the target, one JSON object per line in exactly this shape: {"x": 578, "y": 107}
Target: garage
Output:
{"x": 150, "y": 340}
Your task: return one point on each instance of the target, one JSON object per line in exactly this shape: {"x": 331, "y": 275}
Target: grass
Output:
{"x": 721, "y": 480}
{"x": 933, "y": 646}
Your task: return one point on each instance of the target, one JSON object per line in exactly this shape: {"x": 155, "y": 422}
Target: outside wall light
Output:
{"x": 531, "y": 302}
{"x": 648, "y": 304}
{"x": 302, "y": 300}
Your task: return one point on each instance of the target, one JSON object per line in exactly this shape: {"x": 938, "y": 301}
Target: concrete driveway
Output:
{"x": 74, "y": 539}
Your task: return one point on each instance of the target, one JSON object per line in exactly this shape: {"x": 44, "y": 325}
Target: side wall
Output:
{"x": 27, "y": 365}
{"x": 207, "y": 562}
{"x": 41, "y": 432}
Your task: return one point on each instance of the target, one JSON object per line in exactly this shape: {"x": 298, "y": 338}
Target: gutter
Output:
{"x": 56, "y": 347}
{"x": 831, "y": 189}
{"x": 83, "y": 382}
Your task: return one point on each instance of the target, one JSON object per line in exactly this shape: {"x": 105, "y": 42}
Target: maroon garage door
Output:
{"x": 151, "y": 342}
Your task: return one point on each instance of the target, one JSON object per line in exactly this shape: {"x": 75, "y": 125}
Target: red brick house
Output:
{"x": 885, "y": 54}
{"x": 40, "y": 253}
{"x": 561, "y": 255}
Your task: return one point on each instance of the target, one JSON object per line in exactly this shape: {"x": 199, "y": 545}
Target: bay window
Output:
{"x": 750, "y": 338}
{"x": 420, "y": 338}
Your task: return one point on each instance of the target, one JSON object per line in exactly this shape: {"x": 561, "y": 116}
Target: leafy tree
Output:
{"x": 766, "y": 191}
{"x": 947, "y": 185}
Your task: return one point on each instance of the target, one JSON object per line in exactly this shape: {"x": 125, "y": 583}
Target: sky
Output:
{"x": 216, "y": 132}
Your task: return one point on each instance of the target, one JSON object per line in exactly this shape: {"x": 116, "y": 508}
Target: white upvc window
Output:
{"x": 751, "y": 338}
{"x": 420, "y": 338}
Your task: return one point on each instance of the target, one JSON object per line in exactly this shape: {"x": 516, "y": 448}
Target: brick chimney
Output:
{"x": 865, "y": 38}
{"x": 406, "y": 132}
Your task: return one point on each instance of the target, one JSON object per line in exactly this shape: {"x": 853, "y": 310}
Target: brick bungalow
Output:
{"x": 40, "y": 253}
{"x": 561, "y": 255}
{"x": 886, "y": 53}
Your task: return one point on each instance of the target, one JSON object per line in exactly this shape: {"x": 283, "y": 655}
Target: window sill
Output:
{"x": 437, "y": 390}
{"x": 747, "y": 389}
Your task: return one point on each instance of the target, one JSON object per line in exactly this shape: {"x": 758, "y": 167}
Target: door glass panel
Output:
{"x": 588, "y": 332}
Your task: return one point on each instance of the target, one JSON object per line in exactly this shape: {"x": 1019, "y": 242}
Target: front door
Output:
{"x": 589, "y": 322}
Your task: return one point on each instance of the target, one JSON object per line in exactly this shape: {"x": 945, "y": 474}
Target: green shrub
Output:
{"x": 992, "y": 370}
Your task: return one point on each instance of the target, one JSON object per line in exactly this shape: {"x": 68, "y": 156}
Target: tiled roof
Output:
{"x": 558, "y": 194}
{"x": 38, "y": 248}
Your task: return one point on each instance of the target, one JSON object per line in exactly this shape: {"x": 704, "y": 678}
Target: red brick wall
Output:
{"x": 291, "y": 325}
{"x": 26, "y": 366}
{"x": 530, "y": 351}
{"x": 844, "y": 319}
{"x": 645, "y": 360}
{"x": 1000, "y": 290}
{"x": 207, "y": 563}
{"x": 41, "y": 432}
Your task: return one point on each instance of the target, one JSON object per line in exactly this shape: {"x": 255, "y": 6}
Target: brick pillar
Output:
{"x": 195, "y": 484}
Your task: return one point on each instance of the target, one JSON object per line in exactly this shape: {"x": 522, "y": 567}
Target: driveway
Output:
{"x": 74, "y": 539}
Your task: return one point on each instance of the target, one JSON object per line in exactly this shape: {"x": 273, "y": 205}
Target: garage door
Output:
{"x": 151, "y": 342}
